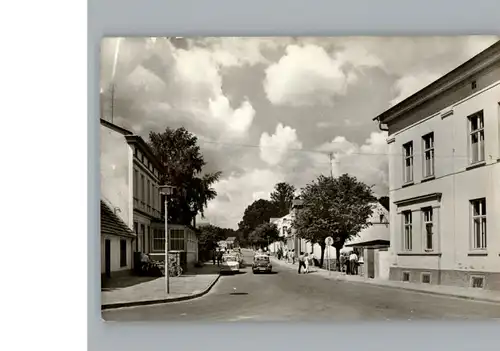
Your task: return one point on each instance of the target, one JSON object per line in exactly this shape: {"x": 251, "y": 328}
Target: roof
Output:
{"x": 479, "y": 62}
{"x": 115, "y": 127}
{"x": 137, "y": 141}
{"x": 112, "y": 224}
{"x": 371, "y": 243}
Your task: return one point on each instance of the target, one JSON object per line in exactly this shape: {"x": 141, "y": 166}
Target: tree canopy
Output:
{"x": 179, "y": 153}
{"x": 337, "y": 207}
{"x": 259, "y": 212}
{"x": 282, "y": 197}
{"x": 264, "y": 234}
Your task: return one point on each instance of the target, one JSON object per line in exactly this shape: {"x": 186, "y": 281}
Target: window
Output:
{"x": 476, "y": 137}
{"x": 428, "y": 227}
{"x": 478, "y": 229}
{"x": 123, "y": 253}
{"x": 408, "y": 162}
{"x": 141, "y": 238}
{"x": 143, "y": 193}
{"x": 477, "y": 282}
{"x": 406, "y": 276}
{"x": 147, "y": 193}
{"x": 428, "y": 146}
{"x": 473, "y": 85}
{"x": 407, "y": 239}
{"x": 136, "y": 180}
{"x": 136, "y": 228}
{"x": 158, "y": 240}
{"x": 177, "y": 239}
{"x": 426, "y": 278}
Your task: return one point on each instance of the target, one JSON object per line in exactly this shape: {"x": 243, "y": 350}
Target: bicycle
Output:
{"x": 174, "y": 270}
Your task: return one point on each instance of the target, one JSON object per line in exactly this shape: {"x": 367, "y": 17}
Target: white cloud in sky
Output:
{"x": 410, "y": 84}
{"x": 241, "y": 191}
{"x": 306, "y": 75}
{"x": 275, "y": 148}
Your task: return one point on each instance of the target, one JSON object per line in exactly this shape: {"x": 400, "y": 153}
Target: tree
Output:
{"x": 282, "y": 197}
{"x": 209, "y": 236}
{"x": 259, "y": 212}
{"x": 337, "y": 207}
{"x": 179, "y": 153}
{"x": 264, "y": 234}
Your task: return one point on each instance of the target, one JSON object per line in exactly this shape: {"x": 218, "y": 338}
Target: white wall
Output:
{"x": 382, "y": 264}
{"x": 457, "y": 185}
{"x": 115, "y": 173}
{"x": 115, "y": 254}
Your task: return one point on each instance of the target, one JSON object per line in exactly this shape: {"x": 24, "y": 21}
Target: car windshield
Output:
{"x": 262, "y": 259}
{"x": 229, "y": 259}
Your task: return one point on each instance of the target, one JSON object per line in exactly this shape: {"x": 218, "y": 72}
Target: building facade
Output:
{"x": 130, "y": 181}
{"x": 444, "y": 173}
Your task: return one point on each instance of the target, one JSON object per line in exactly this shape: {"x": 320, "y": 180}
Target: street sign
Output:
{"x": 329, "y": 241}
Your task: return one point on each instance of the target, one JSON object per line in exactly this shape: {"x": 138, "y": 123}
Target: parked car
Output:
{"x": 261, "y": 263}
{"x": 229, "y": 264}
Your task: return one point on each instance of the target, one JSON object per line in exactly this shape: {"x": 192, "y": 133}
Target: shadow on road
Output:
{"x": 233, "y": 273}
{"x": 267, "y": 273}
{"x": 238, "y": 293}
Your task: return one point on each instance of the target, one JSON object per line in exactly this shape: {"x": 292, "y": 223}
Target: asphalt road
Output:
{"x": 287, "y": 296}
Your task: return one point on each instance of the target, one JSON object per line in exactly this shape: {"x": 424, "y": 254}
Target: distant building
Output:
{"x": 231, "y": 242}
{"x": 372, "y": 244}
{"x": 444, "y": 174}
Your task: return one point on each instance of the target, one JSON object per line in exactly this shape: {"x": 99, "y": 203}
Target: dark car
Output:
{"x": 261, "y": 263}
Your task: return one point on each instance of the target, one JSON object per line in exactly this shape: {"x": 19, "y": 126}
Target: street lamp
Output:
{"x": 166, "y": 190}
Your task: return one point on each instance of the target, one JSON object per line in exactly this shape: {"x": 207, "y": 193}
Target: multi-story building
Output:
{"x": 444, "y": 174}
{"x": 130, "y": 175}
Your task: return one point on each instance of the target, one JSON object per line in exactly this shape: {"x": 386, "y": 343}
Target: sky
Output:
{"x": 267, "y": 110}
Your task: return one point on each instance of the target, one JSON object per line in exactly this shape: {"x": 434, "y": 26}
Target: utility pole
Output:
{"x": 331, "y": 164}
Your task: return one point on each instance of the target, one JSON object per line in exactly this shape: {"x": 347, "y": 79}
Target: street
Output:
{"x": 286, "y": 296}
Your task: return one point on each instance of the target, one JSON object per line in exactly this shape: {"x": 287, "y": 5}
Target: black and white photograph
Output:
{"x": 301, "y": 179}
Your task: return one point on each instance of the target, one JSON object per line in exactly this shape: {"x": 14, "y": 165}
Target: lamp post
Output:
{"x": 166, "y": 190}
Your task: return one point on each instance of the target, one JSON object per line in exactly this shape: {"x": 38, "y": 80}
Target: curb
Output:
{"x": 110, "y": 306}
{"x": 435, "y": 293}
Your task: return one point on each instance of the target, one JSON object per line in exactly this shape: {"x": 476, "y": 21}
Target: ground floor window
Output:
{"x": 123, "y": 253}
{"x": 177, "y": 241}
{"x": 158, "y": 240}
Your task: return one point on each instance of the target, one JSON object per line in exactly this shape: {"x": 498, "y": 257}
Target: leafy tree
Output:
{"x": 209, "y": 236}
{"x": 259, "y": 212}
{"x": 264, "y": 234}
{"x": 337, "y": 207}
{"x": 282, "y": 197}
{"x": 179, "y": 153}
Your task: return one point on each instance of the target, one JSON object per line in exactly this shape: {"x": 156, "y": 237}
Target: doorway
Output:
{"x": 107, "y": 258}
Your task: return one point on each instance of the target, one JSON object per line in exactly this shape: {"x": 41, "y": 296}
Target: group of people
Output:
{"x": 349, "y": 263}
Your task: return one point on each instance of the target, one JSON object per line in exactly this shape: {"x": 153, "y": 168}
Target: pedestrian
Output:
{"x": 301, "y": 261}
{"x": 214, "y": 253}
{"x": 306, "y": 263}
{"x": 293, "y": 256}
{"x": 353, "y": 260}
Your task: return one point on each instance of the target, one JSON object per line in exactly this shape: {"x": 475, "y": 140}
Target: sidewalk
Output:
{"x": 464, "y": 293}
{"x": 136, "y": 291}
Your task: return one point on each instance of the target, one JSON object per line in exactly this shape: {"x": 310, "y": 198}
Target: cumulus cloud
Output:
{"x": 306, "y": 75}
{"x": 240, "y": 191}
{"x": 410, "y": 84}
{"x": 368, "y": 161}
{"x": 274, "y": 148}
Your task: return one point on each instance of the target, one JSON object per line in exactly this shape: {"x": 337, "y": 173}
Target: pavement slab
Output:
{"x": 142, "y": 290}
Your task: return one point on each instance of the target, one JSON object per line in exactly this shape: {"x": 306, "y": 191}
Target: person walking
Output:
{"x": 353, "y": 260}
{"x": 214, "y": 253}
{"x": 306, "y": 263}
{"x": 301, "y": 261}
